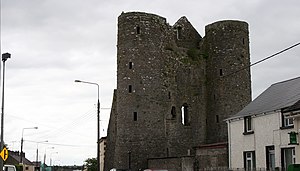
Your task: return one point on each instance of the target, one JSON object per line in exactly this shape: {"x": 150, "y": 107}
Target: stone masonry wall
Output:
{"x": 141, "y": 92}
{"x": 227, "y": 46}
{"x": 173, "y": 88}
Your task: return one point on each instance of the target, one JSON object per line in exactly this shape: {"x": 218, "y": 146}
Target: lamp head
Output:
{"x": 5, "y": 56}
{"x": 77, "y": 81}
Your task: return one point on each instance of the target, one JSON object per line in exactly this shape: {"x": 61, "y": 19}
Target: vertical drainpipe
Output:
{"x": 296, "y": 121}
{"x": 229, "y": 143}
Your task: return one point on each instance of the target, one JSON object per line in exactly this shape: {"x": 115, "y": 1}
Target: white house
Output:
{"x": 264, "y": 135}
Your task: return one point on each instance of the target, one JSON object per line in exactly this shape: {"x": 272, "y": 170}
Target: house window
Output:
{"x": 270, "y": 157}
{"x": 249, "y": 160}
{"x": 248, "y": 125}
{"x": 287, "y": 157}
{"x": 287, "y": 122}
{"x": 130, "y": 65}
{"x": 134, "y": 116}
{"x": 221, "y": 72}
{"x": 185, "y": 115}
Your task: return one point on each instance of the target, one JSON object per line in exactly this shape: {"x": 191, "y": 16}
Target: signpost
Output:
{"x": 4, "y": 154}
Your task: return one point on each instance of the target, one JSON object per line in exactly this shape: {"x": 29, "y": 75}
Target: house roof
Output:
{"x": 294, "y": 107}
{"x": 278, "y": 96}
{"x": 14, "y": 158}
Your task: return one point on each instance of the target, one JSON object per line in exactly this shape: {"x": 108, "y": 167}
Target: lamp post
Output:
{"x": 98, "y": 122}
{"x": 37, "y": 151}
{"x": 5, "y": 56}
{"x": 22, "y": 140}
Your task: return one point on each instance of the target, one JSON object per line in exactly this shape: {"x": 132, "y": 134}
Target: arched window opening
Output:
{"x": 185, "y": 115}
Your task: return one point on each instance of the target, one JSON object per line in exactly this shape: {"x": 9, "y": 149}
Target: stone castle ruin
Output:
{"x": 174, "y": 90}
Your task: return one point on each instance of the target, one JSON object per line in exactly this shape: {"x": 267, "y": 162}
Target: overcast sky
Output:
{"x": 54, "y": 42}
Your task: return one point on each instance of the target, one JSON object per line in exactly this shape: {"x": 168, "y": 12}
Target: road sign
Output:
{"x": 4, "y": 154}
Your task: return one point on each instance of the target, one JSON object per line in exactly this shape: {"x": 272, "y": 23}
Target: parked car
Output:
{"x": 9, "y": 168}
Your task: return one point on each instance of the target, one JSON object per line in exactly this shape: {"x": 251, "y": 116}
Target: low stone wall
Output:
{"x": 172, "y": 164}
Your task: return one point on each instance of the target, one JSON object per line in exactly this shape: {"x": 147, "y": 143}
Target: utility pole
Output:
{"x": 98, "y": 121}
{"x": 5, "y": 56}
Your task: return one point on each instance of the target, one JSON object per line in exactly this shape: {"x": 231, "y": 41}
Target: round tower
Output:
{"x": 140, "y": 90}
{"x": 228, "y": 74}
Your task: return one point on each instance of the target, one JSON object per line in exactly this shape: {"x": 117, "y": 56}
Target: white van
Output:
{"x": 9, "y": 168}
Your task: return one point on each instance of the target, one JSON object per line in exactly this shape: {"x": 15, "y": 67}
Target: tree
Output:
{"x": 91, "y": 164}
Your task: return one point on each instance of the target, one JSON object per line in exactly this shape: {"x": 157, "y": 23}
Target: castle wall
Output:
{"x": 229, "y": 87}
{"x": 141, "y": 93}
{"x": 185, "y": 75}
{"x": 111, "y": 136}
{"x": 174, "y": 91}
{"x": 185, "y": 34}
{"x": 187, "y": 89}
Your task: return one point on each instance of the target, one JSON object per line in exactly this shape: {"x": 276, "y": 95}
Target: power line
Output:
{"x": 286, "y": 49}
{"x": 269, "y": 57}
{"x": 59, "y": 144}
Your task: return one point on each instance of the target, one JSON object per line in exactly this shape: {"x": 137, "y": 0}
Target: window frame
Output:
{"x": 252, "y": 160}
{"x": 285, "y": 122}
{"x": 248, "y": 125}
{"x": 270, "y": 161}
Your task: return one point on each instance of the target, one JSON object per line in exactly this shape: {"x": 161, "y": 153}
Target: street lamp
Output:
{"x": 37, "y": 151}
{"x": 21, "y": 154}
{"x": 98, "y": 122}
{"x": 5, "y": 56}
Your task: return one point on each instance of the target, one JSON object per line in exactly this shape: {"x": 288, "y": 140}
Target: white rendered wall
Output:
{"x": 267, "y": 132}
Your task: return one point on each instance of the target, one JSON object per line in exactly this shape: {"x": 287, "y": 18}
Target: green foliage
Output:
{"x": 19, "y": 167}
{"x": 91, "y": 164}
